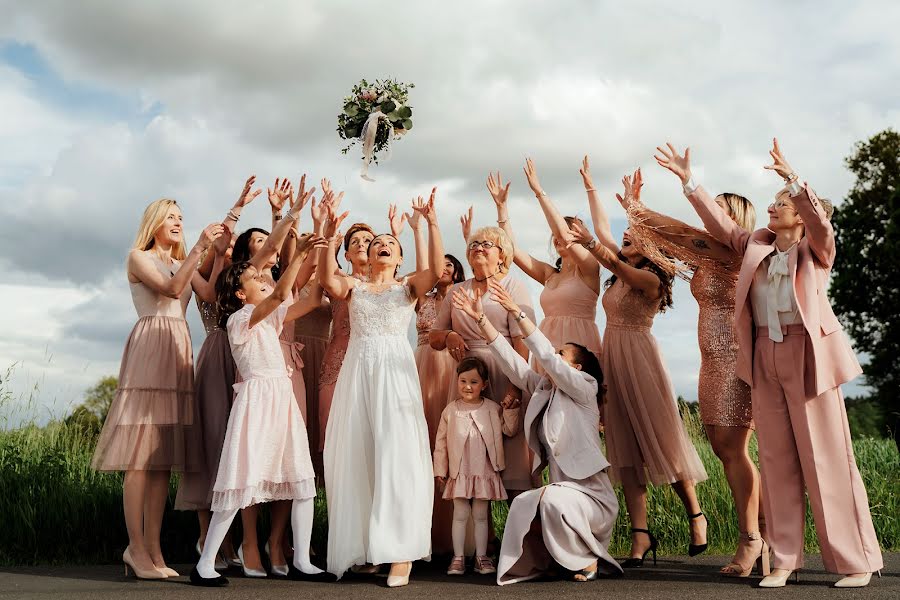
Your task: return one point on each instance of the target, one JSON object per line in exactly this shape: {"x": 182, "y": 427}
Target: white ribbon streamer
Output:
{"x": 368, "y": 134}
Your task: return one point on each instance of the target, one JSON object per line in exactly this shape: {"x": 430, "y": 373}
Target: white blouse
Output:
{"x": 772, "y": 296}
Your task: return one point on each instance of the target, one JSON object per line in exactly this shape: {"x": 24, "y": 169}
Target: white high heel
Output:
{"x": 254, "y": 573}
{"x": 778, "y": 580}
{"x": 279, "y": 570}
{"x": 400, "y": 580}
{"x": 220, "y": 564}
{"x": 857, "y": 581}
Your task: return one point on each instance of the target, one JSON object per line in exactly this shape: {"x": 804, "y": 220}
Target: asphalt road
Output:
{"x": 674, "y": 577}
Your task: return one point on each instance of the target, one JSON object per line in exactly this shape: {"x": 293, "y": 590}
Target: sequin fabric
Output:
{"x": 425, "y": 318}
{"x": 208, "y": 315}
{"x": 724, "y": 399}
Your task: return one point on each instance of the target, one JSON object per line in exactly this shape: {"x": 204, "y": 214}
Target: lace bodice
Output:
{"x": 376, "y": 313}
{"x": 425, "y": 318}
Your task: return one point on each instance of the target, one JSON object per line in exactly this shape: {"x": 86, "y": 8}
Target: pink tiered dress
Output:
{"x": 265, "y": 456}
{"x": 214, "y": 379}
{"x": 643, "y": 427}
{"x": 570, "y": 313}
{"x": 153, "y": 411}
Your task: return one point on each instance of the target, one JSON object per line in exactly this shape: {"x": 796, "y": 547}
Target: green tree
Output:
{"x": 98, "y": 399}
{"x": 865, "y": 287}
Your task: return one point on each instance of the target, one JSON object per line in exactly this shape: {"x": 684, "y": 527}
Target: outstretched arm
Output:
{"x": 534, "y": 268}
{"x": 598, "y": 212}
{"x": 284, "y": 286}
{"x": 141, "y": 267}
{"x": 422, "y": 281}
{"x": 283, "y": 227}
{"x": 329, "y": 277}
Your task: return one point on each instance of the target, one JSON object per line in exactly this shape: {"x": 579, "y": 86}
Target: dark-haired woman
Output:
{"x": 645, "y": 437}
{"x": 571, "y": 287}
{"x": 568, "y": 522}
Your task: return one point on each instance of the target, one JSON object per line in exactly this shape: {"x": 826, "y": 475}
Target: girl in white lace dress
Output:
{"x": 265, "y": 455}
{"x": 378, "y": 474}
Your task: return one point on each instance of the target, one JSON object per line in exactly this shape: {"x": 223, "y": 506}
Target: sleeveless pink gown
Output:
{"x": 570, "y": 313}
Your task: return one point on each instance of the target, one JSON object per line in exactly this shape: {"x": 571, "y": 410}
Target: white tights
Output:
{"x": 301, "y": 524}
{"x": 478, "y": 510}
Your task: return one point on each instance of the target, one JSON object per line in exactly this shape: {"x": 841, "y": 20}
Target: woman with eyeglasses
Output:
{"x": 571, "y": 286}
{"x": 490, "y": 254}
{"x": 793, "y": 354}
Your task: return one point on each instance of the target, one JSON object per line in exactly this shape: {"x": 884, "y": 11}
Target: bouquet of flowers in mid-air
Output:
{"x": 374, "y": 114}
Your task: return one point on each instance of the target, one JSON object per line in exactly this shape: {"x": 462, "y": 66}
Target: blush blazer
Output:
{"x": 492, "y": 421}
{"x": 829, "y": 360}
{"x": 564, "y": 402}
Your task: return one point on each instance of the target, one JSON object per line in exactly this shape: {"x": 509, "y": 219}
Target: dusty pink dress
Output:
{"x": 153, "y": 411}
{"x": 517, "y": 475}
{"x": 293, "y": 358}
{"x": 214, "y": 378}
{"x": 570, "y": 313}
{"x": 312, "y": 330}
{"x": 476, "y": 478}
{"x": 437, "y": 376}
{"x": 643, "y": 428}
{"x": 331, "y": 363}
{"x": 265, "y": 455}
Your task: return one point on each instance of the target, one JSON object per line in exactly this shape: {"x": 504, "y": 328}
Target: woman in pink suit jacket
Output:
{"x": 793, "y": 354}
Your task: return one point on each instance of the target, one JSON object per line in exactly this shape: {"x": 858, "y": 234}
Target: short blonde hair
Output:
{"x": 741, "y": 210}
{"x": 499, "y": 237}
{"x": 828, "y": 207}
{"x": 154, "y": 217}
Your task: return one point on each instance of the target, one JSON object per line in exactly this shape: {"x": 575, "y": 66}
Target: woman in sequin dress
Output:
{"x": 645, "y": 437}
{"x": 725, "y": 407}
{"x": 571, "y": 287}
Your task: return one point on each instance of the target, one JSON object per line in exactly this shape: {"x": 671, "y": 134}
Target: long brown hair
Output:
{"x": 665, "y": 280}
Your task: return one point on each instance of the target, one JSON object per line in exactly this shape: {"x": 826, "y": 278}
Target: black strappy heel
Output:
{"x": 630, "y": 563}
{"x": 695, "y": 549}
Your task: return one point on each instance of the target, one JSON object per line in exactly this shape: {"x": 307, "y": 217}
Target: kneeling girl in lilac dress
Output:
{"x": 568, "y": 522}
{"x": 265, "y": 455}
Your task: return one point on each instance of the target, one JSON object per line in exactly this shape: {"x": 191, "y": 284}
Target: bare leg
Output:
{"x": 685, "y": 491}
{"x": 250, "y": 544}
{"x": 134, "y": 490}
{"x": 636, "y": 501}
{"x": 154, "y": 507}
{"x": 280, "y": 511}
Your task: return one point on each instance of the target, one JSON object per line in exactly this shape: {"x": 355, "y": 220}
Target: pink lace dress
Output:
{"x": 331, "y": 363}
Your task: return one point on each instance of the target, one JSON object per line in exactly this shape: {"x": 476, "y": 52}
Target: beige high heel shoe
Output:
{"x": 761, "y": 560}
{"x": 856, "y": 581}
{"x": 153, "y": 573}
{"x": 779, "y": 580}
{"x": 400, "y": 580}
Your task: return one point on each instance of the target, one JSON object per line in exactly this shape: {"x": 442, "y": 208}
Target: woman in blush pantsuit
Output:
{"x": 568, "y": 522}
{"x": 793, "y": 354}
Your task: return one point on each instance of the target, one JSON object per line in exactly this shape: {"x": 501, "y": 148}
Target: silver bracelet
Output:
{"x": 590, "y": 189}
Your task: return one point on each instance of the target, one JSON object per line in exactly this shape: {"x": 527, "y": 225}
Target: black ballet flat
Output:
{"x": 631, "y": 563}
{"x": 198, "y": 580}
{"x": 695, "y": 549}
{"x": 295, "y": 574}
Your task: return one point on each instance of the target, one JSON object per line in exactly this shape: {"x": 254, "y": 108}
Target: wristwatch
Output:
{"x": 591, "y": 244}
{"x": 521, "y": 315}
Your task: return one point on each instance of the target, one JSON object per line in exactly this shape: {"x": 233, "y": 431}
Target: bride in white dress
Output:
{"x": 378, "y": 474}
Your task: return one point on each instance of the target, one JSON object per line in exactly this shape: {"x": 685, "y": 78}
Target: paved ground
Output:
{"x": 674, "y": 577}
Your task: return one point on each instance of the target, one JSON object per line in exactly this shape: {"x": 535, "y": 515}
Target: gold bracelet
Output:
{"x": 590, "y": 189}
{"x": 499, "y": 222}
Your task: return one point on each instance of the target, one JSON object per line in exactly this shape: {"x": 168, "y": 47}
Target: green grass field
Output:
{"x": 57, "y": 510}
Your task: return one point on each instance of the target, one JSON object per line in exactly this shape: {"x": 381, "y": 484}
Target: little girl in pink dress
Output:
{"x": 468, "y": 458}
{"x": 265, "y": 455}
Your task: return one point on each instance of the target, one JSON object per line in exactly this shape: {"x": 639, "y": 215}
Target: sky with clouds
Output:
{"x": 107, "y": 106}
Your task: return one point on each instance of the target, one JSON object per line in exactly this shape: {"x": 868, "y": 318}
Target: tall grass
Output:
{"x": 55, "y": 509}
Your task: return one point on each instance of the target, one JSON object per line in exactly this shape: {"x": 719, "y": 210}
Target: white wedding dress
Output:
{"x": 378, "y": 476}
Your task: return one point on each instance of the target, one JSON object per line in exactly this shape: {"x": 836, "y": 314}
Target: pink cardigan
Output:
{"x": 831, "y": 360}
{"x": 491, "y": 420}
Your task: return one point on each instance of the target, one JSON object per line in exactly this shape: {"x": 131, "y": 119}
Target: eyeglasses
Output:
{"x": 486, "y": 244}
{"x": 779, "y": 204}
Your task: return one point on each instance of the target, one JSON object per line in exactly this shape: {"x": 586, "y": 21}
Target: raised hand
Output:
{"x": 303, "y": 197}
{"x": 579, "y": 234}
{"x": 426, "y": 210}
{"x": 585, "y": 171}
{"x": 209, "y": 235}
{"x": 333, "y": 221}
{"x": 309, "y": 241}
{"x": 220, "y": 246}
{"x": 502, "y": 297}
{"x": 279, "y": 194}
{"x": 671, "y": 160}
{"x": 466, "y": 221}
{"x": 779, "y": 164}
{"x": 248, "y": 196}
{"x": 632, "y": 187}
{"x": 326, "y": 185}
{"x": 498, "y": 191}
{"x": 415, "y": 219}
{"x": 531, "y": 174}
{"x": 396, "y": 220}
{"x": 469, "y": 304}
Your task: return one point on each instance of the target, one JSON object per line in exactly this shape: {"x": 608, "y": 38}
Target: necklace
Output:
{"x": 486, "y": 278}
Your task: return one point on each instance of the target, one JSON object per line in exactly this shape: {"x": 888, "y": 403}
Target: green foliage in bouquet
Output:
{"x": 387, "y": 95}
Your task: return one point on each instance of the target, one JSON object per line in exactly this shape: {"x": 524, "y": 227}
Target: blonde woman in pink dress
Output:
{"x": 265, "y": 456}
{"x": 725, "y": 407}
{"x": 153, "y": 411}
{"x": 571, "y": 287}
{"x": 645, "y": 436}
